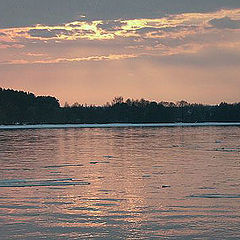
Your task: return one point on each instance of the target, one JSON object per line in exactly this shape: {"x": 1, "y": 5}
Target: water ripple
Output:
{"x": 41, "y": 183}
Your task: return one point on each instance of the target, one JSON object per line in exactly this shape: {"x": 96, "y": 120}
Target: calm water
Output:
{"x": 120, "y": 183}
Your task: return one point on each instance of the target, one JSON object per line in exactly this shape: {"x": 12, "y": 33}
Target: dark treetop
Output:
{"x": 17, "y": 107}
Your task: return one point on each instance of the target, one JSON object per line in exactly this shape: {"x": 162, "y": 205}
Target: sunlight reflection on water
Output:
{"x": 120, "y": 183}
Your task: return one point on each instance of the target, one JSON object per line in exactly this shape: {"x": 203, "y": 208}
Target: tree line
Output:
{"x": 18, "y": 107}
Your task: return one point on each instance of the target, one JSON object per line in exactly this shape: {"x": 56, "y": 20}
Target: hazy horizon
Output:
{"x": 109, "y": 101}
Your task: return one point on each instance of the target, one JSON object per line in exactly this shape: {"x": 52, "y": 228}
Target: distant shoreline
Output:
{"x": 117, "y": 125}
{"x": 17, "y": 107}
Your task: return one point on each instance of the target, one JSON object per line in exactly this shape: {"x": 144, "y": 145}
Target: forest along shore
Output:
{"x": 19, "y": 108}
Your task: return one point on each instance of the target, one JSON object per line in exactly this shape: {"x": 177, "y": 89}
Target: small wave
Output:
{"x": 207, "y": 188}
{"x": 215, "y": 196}
{"x": 105, "y": 204}
{"x": 227, "y": 149}
{"x": 108, "y": 156}
{"x": 41, "y": 183}
{"x": 64, "y": 165}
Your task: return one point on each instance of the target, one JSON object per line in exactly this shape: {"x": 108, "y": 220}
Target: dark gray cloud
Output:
{"x": 145, "y": 30}
{"x": 52, "y": 33}
{"x": 179, "y": 28}
{"x": 30, "y": 12}
{"x": 226, "y": 22}
{"x": 45, "y": 33}
{"x": 159, "y": 31}
{"x": 111, "y": 25}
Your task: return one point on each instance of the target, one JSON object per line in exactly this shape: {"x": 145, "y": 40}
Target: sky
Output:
{"x": 89, "y": 51}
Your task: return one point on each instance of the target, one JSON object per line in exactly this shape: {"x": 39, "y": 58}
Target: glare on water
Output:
{"x": 120, "y": 183}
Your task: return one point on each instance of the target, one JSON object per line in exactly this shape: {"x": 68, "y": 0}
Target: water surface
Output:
{"x": 120, "y": 183}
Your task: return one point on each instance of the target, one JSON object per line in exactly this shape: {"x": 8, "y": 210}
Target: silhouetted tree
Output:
{"x": 25, "y": 108}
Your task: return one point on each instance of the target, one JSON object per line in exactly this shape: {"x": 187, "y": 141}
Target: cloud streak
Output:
{"x": 68, "y": 60}
{"x": 185, "y": 33}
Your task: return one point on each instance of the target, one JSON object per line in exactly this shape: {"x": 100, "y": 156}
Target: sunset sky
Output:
{"x": 89, "y": 51}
